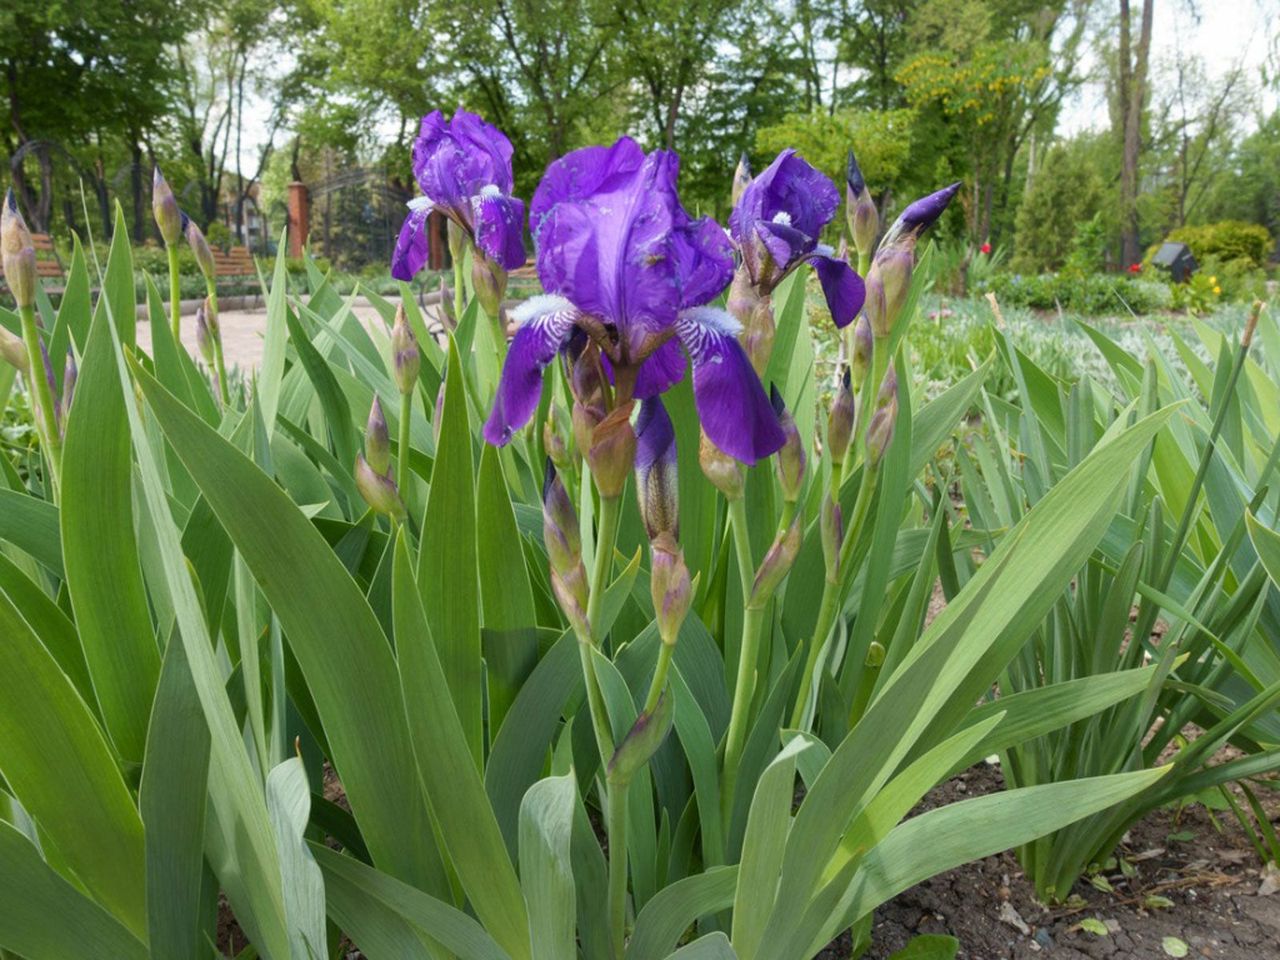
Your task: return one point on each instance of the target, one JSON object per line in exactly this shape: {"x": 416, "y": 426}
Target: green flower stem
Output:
{"x": 499, "y": 336}
{"x": 458, "y": 304}
{"x": 665, "y": 650}
{"x": 38, "y": 379}
{"x": 748, "y": 653}
{"x": 175, "y": 293}
{"x": 219, "y": 363}
{"x": 402, "y": 441}
{"x": 606, "y": 537}
{"x": 830, "y": 605}
{"x": 617, "y": 865}
{"x": 753, "y": 619}
{"x": 831, "y": 591}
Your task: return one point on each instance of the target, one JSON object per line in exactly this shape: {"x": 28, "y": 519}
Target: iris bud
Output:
{"x": 561, "y": 536}
{"x": 863, "y": 344}
{"x": 840, "y": 420}
{"x": 458, "y": 241}
{"x": 642, "y": 740}
{"x": 873, "y": 308}
{"x": 860, "y": 209}
{"x": 883, "y": 421}
{"x": 13, "y": 350}
{"x": 69, "y": 374}
{"x": 670, "y": 585}
{"x": 560, "y": 531}
{"x": 378, "y": 489}
{"x": 406, "y": 361}
{"x": 204, "y": 336}
{"x": 165, "y": 207}
{"x": 754, "y": 310}
{"x": 831, "y": 527}
{"x": 612, "y": 453}
{"x": 489, "y": 281}
{"x": 791, "y": 460}
{"x": 19, "y": 255}
{"x": 200, "y": 247}
{"x": 776, "y": 563}
{"x": 741, "y": 177}
{"x": 724, "y": 472}
{"x": 437, "y": 415}
{"x": 554, "y": 438}
{"x": 377, "y": 441}
{"x": 657, "y": 486}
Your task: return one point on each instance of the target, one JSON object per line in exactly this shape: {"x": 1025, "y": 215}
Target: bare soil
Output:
{"x": 1212, "y": 878}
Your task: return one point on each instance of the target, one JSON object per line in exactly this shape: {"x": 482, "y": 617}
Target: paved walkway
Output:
{"x": 242, "y": 333}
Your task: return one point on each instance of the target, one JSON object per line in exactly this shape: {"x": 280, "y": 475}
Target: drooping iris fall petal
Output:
{"x": 545, "y": 325}
{"x": 732, "y": 405}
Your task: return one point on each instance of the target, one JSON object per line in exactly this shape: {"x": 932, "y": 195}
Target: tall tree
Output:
{"x": 1131, "y": 96}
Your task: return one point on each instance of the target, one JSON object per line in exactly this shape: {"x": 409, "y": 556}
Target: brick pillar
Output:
{"x": 299, "y": 218}
{"x": 437, "y": 240}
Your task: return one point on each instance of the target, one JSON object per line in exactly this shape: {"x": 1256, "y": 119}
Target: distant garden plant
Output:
{"x": 603, "y": 642}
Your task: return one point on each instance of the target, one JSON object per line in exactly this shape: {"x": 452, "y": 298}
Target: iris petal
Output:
{"x": 412, "y": 248}
{"x": 732, "y": 405}
{"x": 499, "y": 226}
{"x": 843, "y": 288}
{"x": 545, "y": 325}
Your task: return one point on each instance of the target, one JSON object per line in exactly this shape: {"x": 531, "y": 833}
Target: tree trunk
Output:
{"x": 135, "y": 183}
{"x": 1132, "y": 94}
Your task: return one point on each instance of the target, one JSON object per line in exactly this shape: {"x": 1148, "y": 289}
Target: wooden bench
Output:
{"x": 48, "y": 266}
{"x": 236, "y": 262}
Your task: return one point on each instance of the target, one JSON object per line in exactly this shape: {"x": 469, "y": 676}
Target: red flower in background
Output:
{"x": 985, "y": 248}
{"x": 1135, "y": 268}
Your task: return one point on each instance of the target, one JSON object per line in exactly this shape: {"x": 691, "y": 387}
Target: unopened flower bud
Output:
{"x": 841, "y": 419}
{"x": 657, "y": 485}
{"x": 69, "y": 374}
{"x": 378, "y": 489}
{"x": 560, "y": 531}
{"x": 52, "y": 428}
{"x": 200, "y": 247}
{"x": 19, "y": 255}
{"x": 165, "y": 207}
{"x": 873, "y": 308}
{"x": 890, "y": 279}
{"x": 831, "y": 527}
{"x": 437, "y": 415}
{"x": 377, "y": 441}
{"x": 741, "y": 177}
{"x": 489, "y": 281}
{"x": 13, "y": 350}
{"x": 670, "y": 585}
{"x": 860, "y": 209}
{"x": 612, "y": 453}
{"x": 791, "y": 460}
{"x": 458, "y": 240}
{"x": 555, "y": 438}
{"x": 918, "y": 217}
{"x": 406, "y": 361}
{"x": 749, "y": 301}
{"x": 875, "y": 655}
{"x": 642, "y": 740}
{"x": 884, "y": 420}
{"x": 724, "y": 472}
{"x": 863, "y": 345}
{"x": 204, "y": 336}
{"x": 572, "y": 594}
{"x": 777, "y": 562}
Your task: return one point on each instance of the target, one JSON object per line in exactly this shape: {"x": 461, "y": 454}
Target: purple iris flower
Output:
{"x": 463, "y": 166}
{"x": 776, "y": 225}
{"x": 622, "y": 261}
